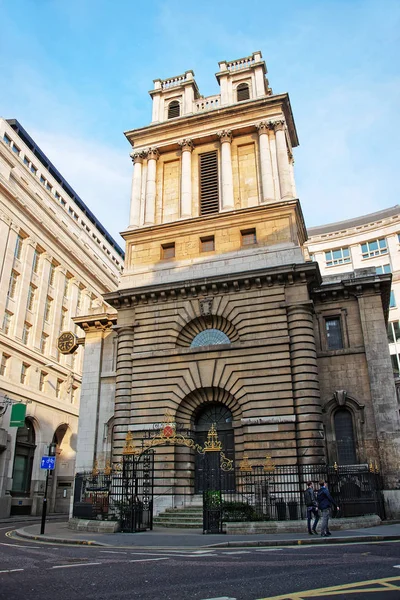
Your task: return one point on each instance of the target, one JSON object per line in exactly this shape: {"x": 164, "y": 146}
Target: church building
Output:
{"x": 219, "y": 318}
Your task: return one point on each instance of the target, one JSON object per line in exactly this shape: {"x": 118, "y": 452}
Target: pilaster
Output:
{"x": 150, "y": 199}
{"x": 225, "y": 137}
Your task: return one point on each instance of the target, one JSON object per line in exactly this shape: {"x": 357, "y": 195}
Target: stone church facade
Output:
{"x": 218, "y": 317}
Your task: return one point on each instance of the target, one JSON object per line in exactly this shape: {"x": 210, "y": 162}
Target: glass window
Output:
{"x": 13, "y": 284}
{"x": 395, "y": 364}
{"x": 248, "y": 237}
{"x": 26, "y": 332}
{"x": 333, "y": 333}
{"x": 42, "y": 381}
{"x": 374, "y": 248}
{"x": 337, "y": 257}
{"x": 7, "y": 140}
{"x": 24, "y": 373}
{"x": 26, "y": 160}
{"x": 33, "y": 169}
{"x": 18, "y": 247}
{"x": 210, "y": 337}
{"x": 383, "y": 269}
{"x": 7, "y": 319}
{"x": 168, "y": 250}
{"x": 31, "y": 297}
{"x": 16, "y": 149}
{"x": 52, "y": 274}
{"x": 47, "y": 309}
{"x": 392, "y": 303}
{"x": 42, "y": 179}
{"x": 345, "y": 442}
{"x": 207, "y": 244}
{"x": 48, "y": 186}
{"x": 3, "y": 364}
{"x": 35, "y": 263}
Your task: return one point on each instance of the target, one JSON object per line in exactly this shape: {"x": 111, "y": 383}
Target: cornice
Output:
{"x": 305, "y": 273}
{"x": 207, "y": 123}
{"x": 99, "y": 322}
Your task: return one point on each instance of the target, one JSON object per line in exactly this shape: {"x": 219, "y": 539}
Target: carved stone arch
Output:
{"x": 340, "y": 400}
{"x": 199, "y": 324}
{"x": 198, "y": 398}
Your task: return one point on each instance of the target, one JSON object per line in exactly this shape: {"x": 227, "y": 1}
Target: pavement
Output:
{"x": 58, "y": 532}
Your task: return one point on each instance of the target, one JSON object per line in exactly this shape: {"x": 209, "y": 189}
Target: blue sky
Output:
{"x": 76, "y": 74}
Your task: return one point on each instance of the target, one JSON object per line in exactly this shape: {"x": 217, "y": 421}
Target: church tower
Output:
{"x": 215, "y": 320}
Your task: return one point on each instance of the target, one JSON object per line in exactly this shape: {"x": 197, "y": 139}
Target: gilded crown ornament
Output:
{"x": 212, "y": 444}
{"x": 244, "y": 464}
{"x": 269, "y": 466}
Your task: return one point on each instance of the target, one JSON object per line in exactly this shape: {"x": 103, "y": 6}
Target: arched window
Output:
{"x": 210, "y": 337}
{"x": 24, "y": 453}
{"x": 345, "y": 442}
{"x": 243, "y": 92}
{"x": 174, "y": 109}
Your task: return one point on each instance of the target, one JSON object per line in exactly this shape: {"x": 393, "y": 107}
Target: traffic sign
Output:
{"x": 48, "y": 462}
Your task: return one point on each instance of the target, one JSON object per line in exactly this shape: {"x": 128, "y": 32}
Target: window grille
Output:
{"x": 174, "y": 109}
{"x": 345, "y": 437}
{"x": 210, "y": 337}
{"x": 207, "y": 244}
{"x": 243, "y": 92}
{"x": 209, "y": 194}
{"x": 249, "y": 237}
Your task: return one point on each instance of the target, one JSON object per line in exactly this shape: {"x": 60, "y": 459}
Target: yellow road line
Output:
{"x": 349, "y": 588}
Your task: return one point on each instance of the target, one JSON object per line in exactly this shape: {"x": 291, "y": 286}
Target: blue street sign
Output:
{"x": 48, "y": 462}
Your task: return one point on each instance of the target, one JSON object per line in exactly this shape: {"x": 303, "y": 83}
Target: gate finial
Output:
{"x": 212, "y": 444}
{"x": 269, "y": 466}
{"x": 129, "y": 447}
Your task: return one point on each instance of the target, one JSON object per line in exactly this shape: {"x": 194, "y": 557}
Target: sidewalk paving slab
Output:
{"x": 58, "y": 532}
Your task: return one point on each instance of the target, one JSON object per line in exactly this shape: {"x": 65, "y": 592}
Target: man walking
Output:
{"x": 312, "y": 508}
{"x": 325, "y": 501}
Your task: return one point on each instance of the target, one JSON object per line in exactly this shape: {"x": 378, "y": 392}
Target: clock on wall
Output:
{"x": 67, "y": 343}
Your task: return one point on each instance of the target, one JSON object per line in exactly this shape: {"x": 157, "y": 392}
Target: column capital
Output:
{"x": 263, "y": 127}
{"x": 152, "y": 153}
{"x": 225, "y": 135}
{"x": 137, "y": 157}
{"x": 61, "y": 269}
{"x": 31, "y": 242}
{"x": 46, "y": 256}
{"x": 186, "y": 145}
{"x": 278, "y": 125}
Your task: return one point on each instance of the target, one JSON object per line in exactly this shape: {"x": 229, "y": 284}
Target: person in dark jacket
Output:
{"x": 325, "y": 502}
{"x": 310, "y": 500}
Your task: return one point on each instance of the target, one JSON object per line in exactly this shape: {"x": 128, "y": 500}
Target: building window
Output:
{"x": 52, "y": 274}
{"x": 66, "y": 286}
{"x": 333, "y": 333}
{"x": 18, "y": 247}
{"x": 26, "y": 330}
{"x": 7, "y": 320}
{"x": 393, "y": 331}
{"x": 63, "y": 318}
{"x": 345, "y": 443}
{"x": 243, "y": 92}
{"x": 383, "y": 269}
{"x": 48, "y": 186}
{"x": 168, "y": 250}
{"x": 7, "y": 140}
{"x": 209, "y": 187}
{"x": 249, "y": 237}
{"x": 42, "y": 380}
{"x": 395, "y": 364}
{"x": 210, "y": 337}
{"x": 47, "y": 309}
{"x": 207, "y": 244}
{"x": 374, "y": 248}
{"x": 26, "y": 161}
{"x": 33, "y": 169}
{"x": 337, "y": 257}
{"x": 24, "y": 454}
{"x": 16, "y": 149}
{"x": 36, "y": 261}
{"x": 174, "y": 109}
{"x": 12, "y": 286}
{"x": 43, "y": 342}
{"x": 31, "y": 297}
{"x": 3, "y": 364}
{"x": 79, "y": 299}
{"x": 392, "y": 303}
{"x": 24, "y": 373}
{"x": 42, "y": 179}
{"x": 58, "y": 387}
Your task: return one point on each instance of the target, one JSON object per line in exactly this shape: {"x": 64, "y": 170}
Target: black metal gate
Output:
{"x": 212, "y": 493}
{"x": 131, "y": 494}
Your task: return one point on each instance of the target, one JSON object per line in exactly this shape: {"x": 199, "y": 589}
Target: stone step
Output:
{"x": 183, "y": 518}
{"x": 177, "y": 525}
{"x": 183, "y": 511}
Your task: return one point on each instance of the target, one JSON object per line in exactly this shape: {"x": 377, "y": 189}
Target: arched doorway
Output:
{"x": 25, "y": 446}
{"x": 345, "y": 442}
{"x": 219, "y": 415}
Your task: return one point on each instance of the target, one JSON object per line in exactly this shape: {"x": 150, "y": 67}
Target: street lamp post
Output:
{"x": 52, "y": 452}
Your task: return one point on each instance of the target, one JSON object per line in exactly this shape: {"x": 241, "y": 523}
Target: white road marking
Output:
{"x": 168, "y": 554}
{"x": 112, "y": 552}
{"x": 148, "y": 559}
{"x": 17, "y": 545}
{"x": 76, "y": 565}
{"x": 203, "y": 551}
{"x": 11, "y": 570}
{"x": 268, "y": 549}
{"x": 220, "y": 598}
{"x": 396, "y": 566}
{"x": 236, "y": 552}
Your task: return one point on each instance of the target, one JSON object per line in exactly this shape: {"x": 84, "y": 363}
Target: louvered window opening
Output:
{"x": 174, "y": 109}
{"x": 243, "y": 92}
{"x": 209, "y": 194}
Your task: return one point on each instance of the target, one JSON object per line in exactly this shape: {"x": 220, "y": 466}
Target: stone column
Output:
{"x": 226, "y": 170}
{"x": 59, "y": 279}
{"x": 306, "y": 396}
{"x": 150, "y": 199}
{"x": 283, "y": 160}
{"x": 383, "y": 391}
{"x": 123, "y": 388}
{"x": 134, "y": 217}
{"x": 186, "y": 178}
{"x": 267, "y": 179}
